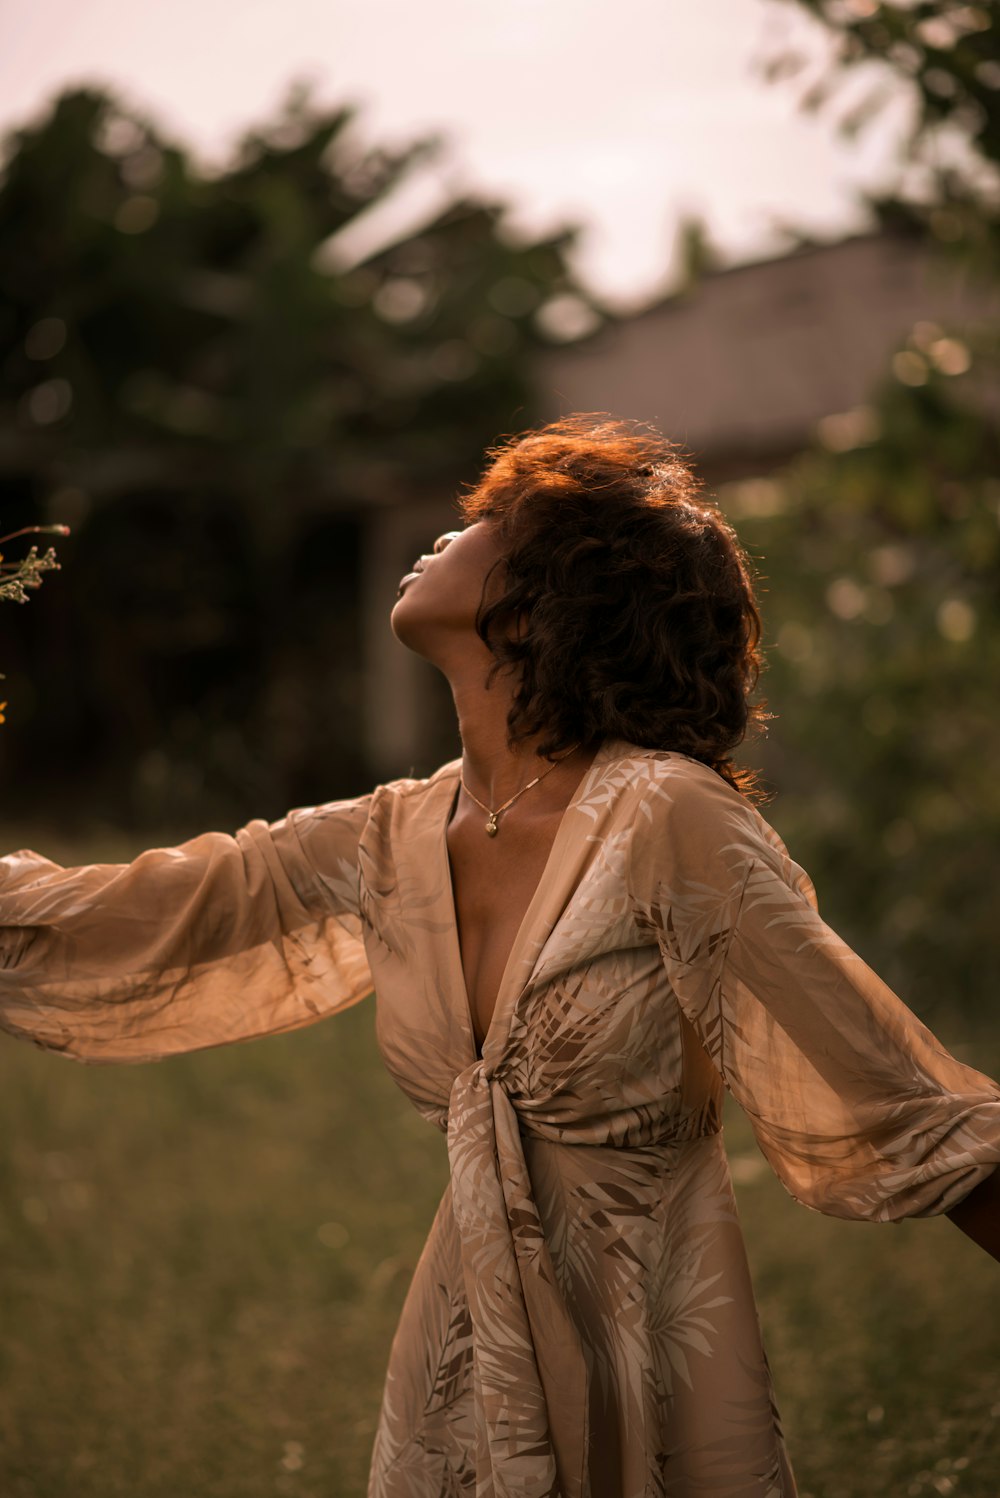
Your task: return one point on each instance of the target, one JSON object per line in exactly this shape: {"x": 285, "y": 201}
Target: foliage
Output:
{"x": 882, "y": 570}
{"x": 946, "y": 56}
{"x": 880, "y": 548}
{"x": 200, "y": 380}
{"x": 948, "y": 51}
{"x": 20, "y": 578}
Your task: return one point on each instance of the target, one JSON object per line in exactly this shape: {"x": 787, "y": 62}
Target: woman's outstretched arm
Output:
{"x": 220, "y": 939}
{"x": 859, "y": 1108}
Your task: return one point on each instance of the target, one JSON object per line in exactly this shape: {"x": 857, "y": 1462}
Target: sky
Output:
{"x": 620, "y": 116}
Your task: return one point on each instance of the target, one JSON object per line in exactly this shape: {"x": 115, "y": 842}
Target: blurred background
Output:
{"x": 271, "y": 279}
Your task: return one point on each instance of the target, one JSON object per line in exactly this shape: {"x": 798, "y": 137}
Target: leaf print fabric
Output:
{"x": 857, "y": 1106}
{"x": 581, "y": 1323}
{"x": 221, "y": 939}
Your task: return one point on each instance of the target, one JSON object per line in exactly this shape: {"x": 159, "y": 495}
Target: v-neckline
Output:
{"x": 530, "y": 913}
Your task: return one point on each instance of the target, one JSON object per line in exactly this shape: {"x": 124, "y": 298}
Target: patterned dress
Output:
{"x": 581, "y": 1323}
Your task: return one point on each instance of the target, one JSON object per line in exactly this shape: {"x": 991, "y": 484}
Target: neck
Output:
{"x": 489, "y": 767}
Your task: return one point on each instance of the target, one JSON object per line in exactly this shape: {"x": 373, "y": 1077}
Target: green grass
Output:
{"x": 202, "y": 1262}
{"x": 884, "y": 1342}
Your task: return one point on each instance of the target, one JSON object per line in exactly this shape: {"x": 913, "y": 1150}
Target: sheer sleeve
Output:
{"x": 223, "y": 938}
{"x": 859, "y": 1109}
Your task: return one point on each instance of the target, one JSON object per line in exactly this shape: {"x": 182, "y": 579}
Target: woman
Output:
{"x": 578, "y": 933}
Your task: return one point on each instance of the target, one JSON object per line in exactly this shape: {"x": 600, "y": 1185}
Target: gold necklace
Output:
{"x": 491, "y": 825}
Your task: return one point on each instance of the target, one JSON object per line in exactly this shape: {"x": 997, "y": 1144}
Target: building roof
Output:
{"x": 749, "y": 360}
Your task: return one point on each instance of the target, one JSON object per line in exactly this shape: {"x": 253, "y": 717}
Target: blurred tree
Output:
{"x": 697, "y": 254}
{"x": 195, "y": 377}
{"x": 946, "y": 54}
{"x": 881, "y": 551}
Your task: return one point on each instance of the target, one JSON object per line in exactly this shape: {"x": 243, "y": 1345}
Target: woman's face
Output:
{"x": 438, "y": 600}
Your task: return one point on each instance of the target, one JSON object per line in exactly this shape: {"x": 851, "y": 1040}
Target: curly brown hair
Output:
{"x": 628, "y": 608}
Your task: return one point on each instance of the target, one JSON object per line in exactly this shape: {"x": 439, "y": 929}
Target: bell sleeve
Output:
{"x": 858, "y": 1108}
{"x": 220, "y": 939}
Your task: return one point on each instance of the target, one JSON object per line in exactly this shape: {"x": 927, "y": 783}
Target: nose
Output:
{"x": 445, "y": 540}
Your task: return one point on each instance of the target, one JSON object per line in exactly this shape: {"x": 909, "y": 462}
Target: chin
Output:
{"x": 404, "y": 626}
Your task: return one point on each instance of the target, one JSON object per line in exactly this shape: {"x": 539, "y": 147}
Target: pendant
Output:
{"x": 491, "y": 826}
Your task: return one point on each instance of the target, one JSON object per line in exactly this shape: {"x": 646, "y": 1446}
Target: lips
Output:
{"x": 417, "y": 569}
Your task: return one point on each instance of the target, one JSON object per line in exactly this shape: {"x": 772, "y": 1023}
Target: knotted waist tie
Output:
{"x": 531, "y": 1372}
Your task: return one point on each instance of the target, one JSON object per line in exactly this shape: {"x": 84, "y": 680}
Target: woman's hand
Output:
{"x": 978, "y": 1214}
